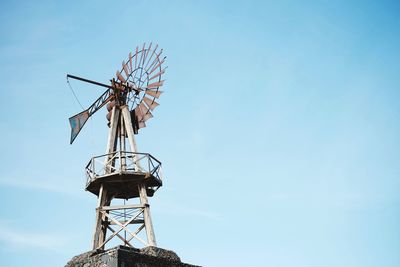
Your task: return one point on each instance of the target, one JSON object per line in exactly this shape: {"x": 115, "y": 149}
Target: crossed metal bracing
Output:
{"x": 128, "y": 219}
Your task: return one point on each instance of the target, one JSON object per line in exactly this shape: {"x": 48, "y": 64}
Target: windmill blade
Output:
{"x": 143, "y": 109}
{"x": 150, "y": 103}
{"x": 156, "y": 59}
{"x": 147, "y": 53}
{"x": 158, "y": 65}
{"x": 143, "y": 113}
{"x": 130, "y": 61}
{"x": 155, "y": 85}
{"x": 147, "y": 116}
{"x": 142, "y": 124}
{"x": 137, "y": 48}
{"x": 141, "y": 55}
{"x": 125, "y": 67}
{"x": 120, "y": 77}
{"x": 77, "y": 122}
{"x": 155, "y": 94}
{"x": 152, "y": 54}
{"x": 158, "y": 74}
{"x": 139, "y": 113}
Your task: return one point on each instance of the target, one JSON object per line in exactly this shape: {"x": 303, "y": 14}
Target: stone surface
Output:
{"x": 159, "y": 252}
{"x": 122, "y": 256}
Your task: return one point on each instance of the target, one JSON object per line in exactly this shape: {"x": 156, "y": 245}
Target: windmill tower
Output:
{"x": 123, "y": 172}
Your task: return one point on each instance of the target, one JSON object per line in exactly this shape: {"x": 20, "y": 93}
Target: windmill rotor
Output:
{"x": 142, "y": 75}
{"x": 137, "y": 84}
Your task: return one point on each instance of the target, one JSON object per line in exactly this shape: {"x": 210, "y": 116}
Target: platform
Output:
{"x": 121, "y": 172}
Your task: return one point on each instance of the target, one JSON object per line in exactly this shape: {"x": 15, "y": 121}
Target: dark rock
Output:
{"x": 159, "y": 252}
{"x": 122, "y": 256}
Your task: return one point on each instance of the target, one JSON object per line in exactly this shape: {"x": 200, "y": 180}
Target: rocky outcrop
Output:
{"x": 122, "y": 256}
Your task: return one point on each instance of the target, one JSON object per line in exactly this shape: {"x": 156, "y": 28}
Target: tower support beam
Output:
{"x": 129, "y": 130}
{"x": 116, "y": 165}
{"x": 101, "y": 220}
{"x": 151, "y": 238}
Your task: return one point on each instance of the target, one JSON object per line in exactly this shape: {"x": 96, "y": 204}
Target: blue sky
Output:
{"x": 278, "y": 130}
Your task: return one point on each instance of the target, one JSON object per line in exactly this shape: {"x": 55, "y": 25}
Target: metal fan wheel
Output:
{"x": 142, "y": 73}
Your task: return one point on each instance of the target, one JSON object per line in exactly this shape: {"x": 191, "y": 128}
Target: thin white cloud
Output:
{"x": 38, "y": 185}
{"x": 13, "y": 238}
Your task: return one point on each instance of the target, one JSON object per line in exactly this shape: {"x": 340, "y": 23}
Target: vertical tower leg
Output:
{"x": 112, "y": 135}
{"x": 122, "y": 143}
{"x": 104, "y": 199}
{"x": 129, "y": 128}
{"x": 100, "y": 226}
{"x": 151, "y": 240}
{"x": 148, "y": 224}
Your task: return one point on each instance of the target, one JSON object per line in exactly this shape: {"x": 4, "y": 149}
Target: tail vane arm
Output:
{"x": 78, "y": 121}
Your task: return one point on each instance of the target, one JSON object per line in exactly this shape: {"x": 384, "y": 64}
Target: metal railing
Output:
{"x": 122, "y": 162}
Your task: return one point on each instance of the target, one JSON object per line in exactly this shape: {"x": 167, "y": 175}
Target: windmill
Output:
{"x": 123, "y": 172}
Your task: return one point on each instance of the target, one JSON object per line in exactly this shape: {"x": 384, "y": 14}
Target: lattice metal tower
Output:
{"x": 123, "y": 172}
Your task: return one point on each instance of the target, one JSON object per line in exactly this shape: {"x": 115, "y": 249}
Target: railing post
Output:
{"x": 93, "y": 165}
{"x": 120, "y": 160}
{"x": 136, "y": 161}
